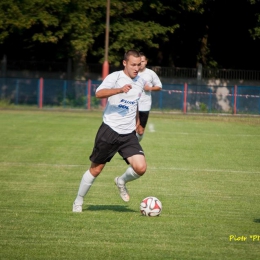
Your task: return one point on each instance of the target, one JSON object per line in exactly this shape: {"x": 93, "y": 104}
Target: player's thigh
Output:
{"x": 106, "y": 145}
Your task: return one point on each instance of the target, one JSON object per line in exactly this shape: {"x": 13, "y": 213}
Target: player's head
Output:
{"x": 132, "y": 63}
{"x": 143, "y": 61}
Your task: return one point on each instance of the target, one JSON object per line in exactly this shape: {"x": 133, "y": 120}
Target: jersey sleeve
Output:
{"x": 156, "y": 81}
{"x": 109, "y": 82}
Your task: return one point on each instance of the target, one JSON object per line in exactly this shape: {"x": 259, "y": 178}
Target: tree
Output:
{"x": 255, "y": 32}
{"x": 231, "y": 44}
{"x": 72, "y": 24}
{"x": 145, "y": 25}
{"x": 77, "y": 27}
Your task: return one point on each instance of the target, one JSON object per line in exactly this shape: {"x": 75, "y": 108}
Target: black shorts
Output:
{"x": 143, "y": 116}
{"x": 108, "y": 143}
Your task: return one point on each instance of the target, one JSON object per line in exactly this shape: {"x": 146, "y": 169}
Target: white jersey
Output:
{"x": 145, "y": 102}
{"x": 121, "y": 109}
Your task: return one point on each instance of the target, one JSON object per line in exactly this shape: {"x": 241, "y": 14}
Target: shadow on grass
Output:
{"x": 118, "y": 208}
{"x": 257, "y": 220}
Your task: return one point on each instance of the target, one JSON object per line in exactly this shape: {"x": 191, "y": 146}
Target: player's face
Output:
{"x": 143, "y": 63}
{"x": 132, "y": 66}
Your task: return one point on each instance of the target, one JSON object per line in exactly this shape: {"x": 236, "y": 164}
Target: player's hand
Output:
{"x": 147, "y": 88}
{"x": 126, "y": 88}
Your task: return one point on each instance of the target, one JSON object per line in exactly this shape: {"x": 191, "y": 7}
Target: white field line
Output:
{"x": 233, "y": 135}
{"x": 215, "y": 134}
{"x": 123, "y": 166}
{"x": 183, "y": 133}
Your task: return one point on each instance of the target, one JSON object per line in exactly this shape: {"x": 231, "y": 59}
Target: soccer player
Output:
{"x": 145, "y": 102}
{"x": 117, "y": 131}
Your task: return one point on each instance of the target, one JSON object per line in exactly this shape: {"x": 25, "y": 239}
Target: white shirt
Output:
{"x": 145, "y": 102}
{"x": 120, "y": 111}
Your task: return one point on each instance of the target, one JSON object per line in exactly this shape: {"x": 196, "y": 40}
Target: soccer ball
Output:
{"x": 151, "y": 207}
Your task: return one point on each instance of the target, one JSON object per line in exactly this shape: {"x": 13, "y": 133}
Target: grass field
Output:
{"x": 205, "y": 170}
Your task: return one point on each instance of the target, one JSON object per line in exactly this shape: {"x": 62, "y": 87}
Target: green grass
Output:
{"x": 205, "y": 170}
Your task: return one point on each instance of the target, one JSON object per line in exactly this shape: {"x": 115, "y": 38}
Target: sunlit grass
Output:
{"x": 205, "y": 170}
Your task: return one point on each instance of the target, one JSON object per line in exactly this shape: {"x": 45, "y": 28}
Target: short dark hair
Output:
{"x": 143, "y": 55}
{"x": 132, "y": 53}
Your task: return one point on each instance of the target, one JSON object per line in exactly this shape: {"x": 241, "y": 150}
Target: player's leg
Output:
{"x": 133, "y": 172}
{"x": 133, "y": 153}
{"x": 140, "y": 133}
{"x": 87, "y": 180}
{"x": 143, "y": 117}
{"x": 138, "y": 164}
{"x": 104, "y": 149}
{"x": 136, "y": 169}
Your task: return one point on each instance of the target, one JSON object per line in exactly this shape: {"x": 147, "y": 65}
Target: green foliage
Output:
{"x": 79, "y": 24}
{"x": 5, "y": 102}
{"x": 193, "y": 5}
{"x": 78, "y": 28}
{"x": 126, "y": 38}
{"x": 203, "y": 107}
{"x": 136, "y": 28}
{"x": 95, "y": 102}
{"x": 255, "y": 32}
{"x": 52, "y": 21}
{"x": 73, "y": 102}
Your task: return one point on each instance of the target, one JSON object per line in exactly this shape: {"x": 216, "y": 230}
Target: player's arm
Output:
{"x": 155, "y": 84}
{"x": 108, "y": 92}
{"x": 152, "y": 88}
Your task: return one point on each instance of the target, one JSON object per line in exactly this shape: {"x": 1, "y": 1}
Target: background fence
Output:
{"x": 173, "y": 97}
{"x": 65, "y": 70}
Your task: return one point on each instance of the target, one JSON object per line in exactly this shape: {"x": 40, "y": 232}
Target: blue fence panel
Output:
{"x": 75, "y": 94}
{"x": 95, "y": 102}
{"x": 169, "y": 98}
{"x": 248, "y": 99}
{"x": 209, "y": 98}
{"x": 52, "y": 92}
{"x": 19, "y": 91}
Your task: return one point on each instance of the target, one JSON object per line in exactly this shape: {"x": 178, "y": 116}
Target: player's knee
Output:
{"x": 95, "y": 169}
{"x": 94, "y": 172}
{"x": 140, "y": 169}
{"x": 141, "y": 132}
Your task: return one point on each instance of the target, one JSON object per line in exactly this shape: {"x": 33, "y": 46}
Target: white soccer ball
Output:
{"x": 151, "y": 207}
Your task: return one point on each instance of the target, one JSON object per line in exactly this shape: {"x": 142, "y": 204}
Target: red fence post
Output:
{"x": 41, "y": 93}
{"x": 235, "y": 100}
{"x": 89, "y": 94}
{"x": 105, "y": 72}
{"x": 185, "y": 98}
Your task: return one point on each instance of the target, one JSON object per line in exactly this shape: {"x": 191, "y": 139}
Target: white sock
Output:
{"x": 85, "y": 184}
{"x": 140, "y": 137}
{"x": 129, "y": 175}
